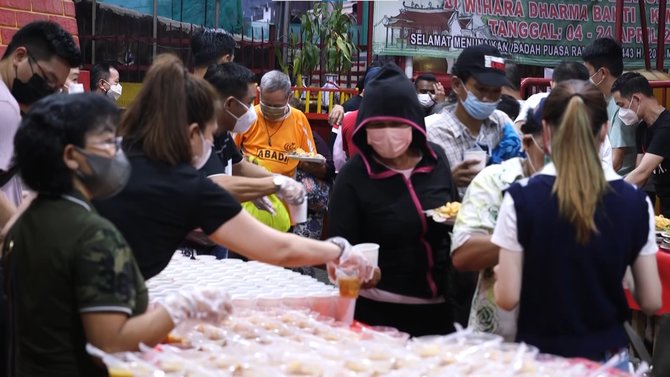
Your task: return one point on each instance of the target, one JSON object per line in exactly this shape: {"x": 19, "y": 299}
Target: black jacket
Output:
{"x": 371, "y": 203}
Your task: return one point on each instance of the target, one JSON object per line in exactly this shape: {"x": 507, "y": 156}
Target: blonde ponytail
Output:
{"x": 580, "y": 182}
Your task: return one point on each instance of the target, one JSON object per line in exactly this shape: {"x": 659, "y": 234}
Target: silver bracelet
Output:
{"x": 339, "y": 242}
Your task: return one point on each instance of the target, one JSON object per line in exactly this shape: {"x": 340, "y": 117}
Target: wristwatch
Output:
{"x": 279, "y": 181}
{"x": 340, "y": 242}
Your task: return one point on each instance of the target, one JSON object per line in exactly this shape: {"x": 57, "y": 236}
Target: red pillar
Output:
{"x": 618, "y": 31}
{"x": 645, "y": 35}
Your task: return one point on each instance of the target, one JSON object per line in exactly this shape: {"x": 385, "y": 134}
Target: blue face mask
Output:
{"x": 477, "y": 108}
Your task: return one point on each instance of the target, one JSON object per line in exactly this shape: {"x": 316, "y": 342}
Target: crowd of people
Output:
{"x": 95, "y": 200}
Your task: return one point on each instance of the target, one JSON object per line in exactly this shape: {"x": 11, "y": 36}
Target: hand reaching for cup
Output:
{"x": 350, "y": 259}
{"x": 291, "y": 191}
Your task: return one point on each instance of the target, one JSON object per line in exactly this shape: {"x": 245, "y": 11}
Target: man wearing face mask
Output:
{"x": 639, "y": 107}
{"x": 226, "y": 166}
{"x": 36, "y": 63}
{"x": 604, "y": 61}
{"x": 474, "y": 122}
{"x": 105, "y": 80}
{"x": 279, "y": 129}
{"x": 471, "y": 246}
{"x": 430, "y": 93}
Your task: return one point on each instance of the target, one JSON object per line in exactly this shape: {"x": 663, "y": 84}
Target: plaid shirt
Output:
{"x": 454, "y": 137}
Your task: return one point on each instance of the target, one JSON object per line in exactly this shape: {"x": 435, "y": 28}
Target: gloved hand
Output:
{"x": 350, "y": 258}
{"x": 291, "y": 191}
{"x": 263, "y": 203}
{"x": 205, "y": 303}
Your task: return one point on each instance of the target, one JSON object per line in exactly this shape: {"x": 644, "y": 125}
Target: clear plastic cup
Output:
{"x": 478, "y": 155}
{"x": 370, "y": 250}
{"x": 348, "y": 282}
{"x": 298, "y": 213}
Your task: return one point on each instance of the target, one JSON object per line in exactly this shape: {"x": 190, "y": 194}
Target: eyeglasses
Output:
{"x": 109, "y": 144}
{"x": 53, "y": 85}
{"x": 426, "y": 91}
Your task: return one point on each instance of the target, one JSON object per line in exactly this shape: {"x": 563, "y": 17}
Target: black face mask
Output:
{"x": 108, "y": 175}
{"x": 35, "y": 89}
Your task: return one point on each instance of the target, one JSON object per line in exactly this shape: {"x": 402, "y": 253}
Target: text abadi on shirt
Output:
{"x": 269, "y": 154}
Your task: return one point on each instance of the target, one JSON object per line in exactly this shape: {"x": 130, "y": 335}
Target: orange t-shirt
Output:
{"x": 271, "y": 141}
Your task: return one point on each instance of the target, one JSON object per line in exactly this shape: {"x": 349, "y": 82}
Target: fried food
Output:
{"x": 662, "y": 223}
{"x": 449, "y": 210}
{"x": 302, "y": 152}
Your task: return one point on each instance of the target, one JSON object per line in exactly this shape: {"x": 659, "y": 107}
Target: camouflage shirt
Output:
{"x": 62, "y": 259}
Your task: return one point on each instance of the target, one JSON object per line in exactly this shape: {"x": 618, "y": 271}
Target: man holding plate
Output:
{"x": 280, "y": 129}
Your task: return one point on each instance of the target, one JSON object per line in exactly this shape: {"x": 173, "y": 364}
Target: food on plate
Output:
{"x": 299, "y": 152}
{"x": 662, "y": 223}
{"x": 449, "y": 210}
{"x": 120, "y": 373}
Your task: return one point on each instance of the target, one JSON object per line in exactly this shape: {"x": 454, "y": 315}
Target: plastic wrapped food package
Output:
{"x": 283, "y": 325}
{"x": 284, "y": 342}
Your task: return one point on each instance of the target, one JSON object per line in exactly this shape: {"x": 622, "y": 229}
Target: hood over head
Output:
{"x": 391, "y": 96}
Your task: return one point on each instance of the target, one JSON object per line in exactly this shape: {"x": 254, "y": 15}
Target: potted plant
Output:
{"x": 324, "y": 41}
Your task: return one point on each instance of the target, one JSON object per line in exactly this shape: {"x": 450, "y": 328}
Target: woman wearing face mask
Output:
{"x": 167, "y": 135}
{"x": 380, "y": 196}
{"x": 70, "y": 277}
{"x": 568, "y": 235}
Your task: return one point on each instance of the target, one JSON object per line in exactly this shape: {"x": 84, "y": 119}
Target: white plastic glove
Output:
{"x": 350, "y": 258}
{"x": 263, "y": 203}
{"x": 205, "y": 303}
{"x": 291, "y": 191}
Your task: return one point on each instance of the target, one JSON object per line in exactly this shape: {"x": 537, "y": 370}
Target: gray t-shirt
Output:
{"x": 622, "y": 136}
{"x": 10, "y": 117}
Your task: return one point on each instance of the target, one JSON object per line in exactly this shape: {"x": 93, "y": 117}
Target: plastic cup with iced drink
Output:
{"x": 348, "y": 281}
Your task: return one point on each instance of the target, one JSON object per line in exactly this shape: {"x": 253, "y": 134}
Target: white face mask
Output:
{"x": 201, "y": 160}
{"x": 628, "y": 116}
{"x": 425, "y": 99}
{"x": 243, "y": 123}
{"x": 75, "y": 88}
{"x": 115, "y": 91}
{"x": 596, "y": 83}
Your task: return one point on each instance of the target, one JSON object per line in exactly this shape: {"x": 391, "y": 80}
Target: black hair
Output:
{"x": 513, "y": 75}
{"x": 463, "y": 74}
{"x": 44, "y": 40}
{"x": 210, "y": 45}
{"x": 99, "y": 72}
{"x": 604, "y": 52}
{"x": 361, "y": 79}
{"x": 230, "y": 79}
{"x": 533, "y": 124}
{"x": 569, "y": 70}
{"x": 425, "y": 77}
{"x": 509, "y": 105}
{"x": 50, "y": 125}
{"x": 630, "y": 83}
